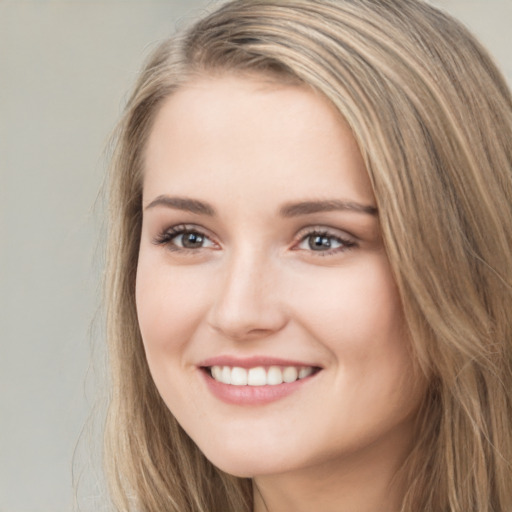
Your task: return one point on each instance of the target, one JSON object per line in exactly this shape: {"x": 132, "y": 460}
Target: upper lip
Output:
{"x": 252, "y": 362}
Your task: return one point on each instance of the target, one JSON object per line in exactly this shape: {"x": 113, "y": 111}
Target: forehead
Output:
{"x": 252, "y": 133}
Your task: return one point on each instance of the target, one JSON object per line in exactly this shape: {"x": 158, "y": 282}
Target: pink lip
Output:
{"x": 251, "y": 395}
{"x": 251, "y": 362}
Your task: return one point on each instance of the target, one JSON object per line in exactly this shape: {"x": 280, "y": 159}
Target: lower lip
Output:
{"x": 252, "y": 395}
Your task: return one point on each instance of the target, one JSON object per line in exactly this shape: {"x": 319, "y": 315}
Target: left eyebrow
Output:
{"x": 183, "y": 203}
{"x": 307, "y": 207}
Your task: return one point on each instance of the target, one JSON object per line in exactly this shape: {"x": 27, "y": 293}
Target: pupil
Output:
{"x": 319, "y": 242}
{"x": 192, "y": 240}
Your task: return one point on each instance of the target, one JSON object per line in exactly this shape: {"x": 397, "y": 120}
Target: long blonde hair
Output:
{"x": 433, "y": 119}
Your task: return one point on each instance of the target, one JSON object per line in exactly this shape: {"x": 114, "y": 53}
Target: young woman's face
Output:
{"x": 270, "y": 319}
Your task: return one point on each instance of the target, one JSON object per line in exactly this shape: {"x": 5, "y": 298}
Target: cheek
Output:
{"x": 357, "y": 306}
{"x": 358, "y": 317}
{"x": 170, "y": 305}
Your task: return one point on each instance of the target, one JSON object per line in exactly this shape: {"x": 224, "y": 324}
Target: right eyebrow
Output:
{"x": 184, "y": 204}
{"x": 309, "y": 207}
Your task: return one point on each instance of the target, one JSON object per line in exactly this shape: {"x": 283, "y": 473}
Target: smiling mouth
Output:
{"x": 259, "y": 375}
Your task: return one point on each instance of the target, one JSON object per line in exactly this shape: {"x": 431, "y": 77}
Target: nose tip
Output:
{"x": 242, "y": 333}
{"x": 248, "y": 305}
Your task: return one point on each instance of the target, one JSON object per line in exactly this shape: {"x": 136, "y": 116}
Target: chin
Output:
{"x": 246, "y": 463}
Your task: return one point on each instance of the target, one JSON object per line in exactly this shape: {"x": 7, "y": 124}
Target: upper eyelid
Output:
{"x": 164, "y": 236}
{"x": 324, "y": 230}
{"x": 302, "y": 233}
{"x": 178, "y": 229}
{"x": 347, "y": 240}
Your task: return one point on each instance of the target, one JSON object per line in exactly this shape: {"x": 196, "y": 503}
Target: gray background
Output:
{"x": 65, "y": 69}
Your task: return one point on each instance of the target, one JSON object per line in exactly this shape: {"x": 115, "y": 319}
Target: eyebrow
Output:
{"x": 287, "y": 210}
{"x": 308, "y": 207}
{"x": 183, "y": 203}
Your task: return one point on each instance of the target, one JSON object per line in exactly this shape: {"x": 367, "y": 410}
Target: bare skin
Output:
{"x": 261, "y": 242}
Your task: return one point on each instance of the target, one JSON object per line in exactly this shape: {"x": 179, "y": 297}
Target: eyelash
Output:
{"x": 165, "y": 238}
{"x": 346, "y": 242}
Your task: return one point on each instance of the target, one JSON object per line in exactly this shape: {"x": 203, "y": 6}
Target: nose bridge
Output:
{"x": 247, "y": 299}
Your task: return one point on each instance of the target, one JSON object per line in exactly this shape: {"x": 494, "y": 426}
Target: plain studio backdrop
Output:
{"x": 66, "y": 67}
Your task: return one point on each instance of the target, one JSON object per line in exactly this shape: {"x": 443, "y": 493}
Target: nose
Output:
{"x": 249, "y": 302}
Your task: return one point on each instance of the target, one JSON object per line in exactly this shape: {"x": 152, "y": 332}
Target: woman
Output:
{"x": 309, "y": 277}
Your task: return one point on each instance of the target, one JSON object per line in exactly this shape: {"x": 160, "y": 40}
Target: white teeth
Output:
{"x": 238, "y": 376}
{"x": 217, "y": 373}
{"x": 290, "y": 374}
{"x": 226, "y": 375}
{"x": 274, "y": 376}
{"x": 305, "y": 372}
{"x": 259, "y": 376}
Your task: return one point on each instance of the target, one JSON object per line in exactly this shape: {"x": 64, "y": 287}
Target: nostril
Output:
{"x": 240, "y": 333}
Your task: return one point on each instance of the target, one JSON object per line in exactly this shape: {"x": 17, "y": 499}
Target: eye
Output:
{"x": 325, "y": 242}
{"x": 184, "y": 238}
{"x": 190, "y": 240}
